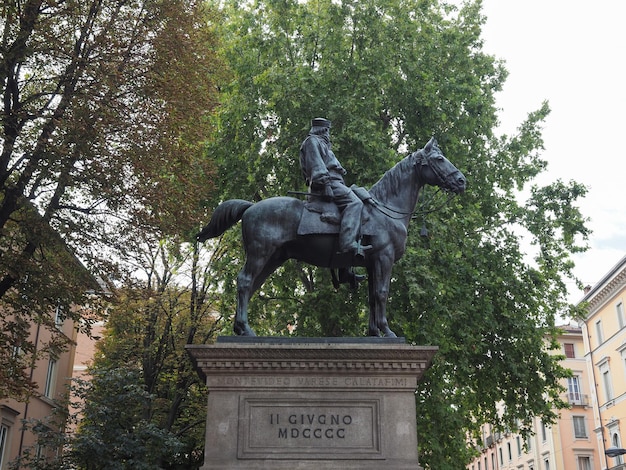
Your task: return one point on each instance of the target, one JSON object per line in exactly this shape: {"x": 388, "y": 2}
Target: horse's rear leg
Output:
{"x": 244, "y": 292}
{"x": 250, "y": 278}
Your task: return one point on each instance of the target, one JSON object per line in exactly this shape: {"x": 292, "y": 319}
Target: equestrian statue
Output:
{"x": 337, "y": 227}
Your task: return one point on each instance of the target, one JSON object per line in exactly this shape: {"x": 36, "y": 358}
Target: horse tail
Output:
{"x": 224, "y": 217}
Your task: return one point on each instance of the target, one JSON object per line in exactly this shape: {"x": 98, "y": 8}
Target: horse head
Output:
{"x": 436, "y": 170}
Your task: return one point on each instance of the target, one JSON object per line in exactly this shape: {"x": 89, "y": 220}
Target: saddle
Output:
{"x": 323, "y": 217}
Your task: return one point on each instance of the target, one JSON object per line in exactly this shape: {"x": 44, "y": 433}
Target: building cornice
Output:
{"x": 608, "y": 287}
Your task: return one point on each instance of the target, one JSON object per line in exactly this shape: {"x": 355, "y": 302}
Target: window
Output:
{"x": 580, "y": 428}
{"x": 544, "y": 434}
{"x": 546, "y": 464}
{"x": 573, "y": 389}
{"x": 569, "y": 350}
{"x": 486, "y": 466}
{"x": 519, "y": 445}
{"x": 608, "y": 388}
{"x": 619, "y": 309}
{"x": 599, "y": 332}
{"x": 58, "y": 317}
{"x": 4, "y": 433}
{"x": 50, "y": 379}
{"x": 508, "y": 445}
{"x": 605, "y": 373}
{"x": 583, "y": 463}
{"x": 501, "y": 456}
{"x": 617, "y": 443}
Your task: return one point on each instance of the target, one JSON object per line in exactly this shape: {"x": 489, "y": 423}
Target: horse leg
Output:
{"x": 372, "y": 329}
{"x": 244, "y": 292}
{"x": 378, "y": 284}
{"x": 250, "y": 278}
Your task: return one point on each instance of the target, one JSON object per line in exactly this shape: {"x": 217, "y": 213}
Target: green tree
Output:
{"x": 105, "y": 110}
{"x": 112, "y": 433}
{"x": 147, "y": 329}
{"x": 487, "y": 284}
{"x": 145, "y": 401}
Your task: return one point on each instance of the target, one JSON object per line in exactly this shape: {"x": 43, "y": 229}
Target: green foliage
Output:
{"x": 50, "y": 437}
{"x": 145, "y": 405}
{"x": 112, "y": 433}
{"x": 147, "y": 329}
{"x": 145, "y": 400}
{"x": 489, "y": 282}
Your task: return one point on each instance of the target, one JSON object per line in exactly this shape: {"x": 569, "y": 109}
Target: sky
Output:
{"x": 571, "y": 53}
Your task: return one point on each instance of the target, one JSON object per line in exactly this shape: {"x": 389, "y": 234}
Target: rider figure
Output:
{"x": 324, "y": 175}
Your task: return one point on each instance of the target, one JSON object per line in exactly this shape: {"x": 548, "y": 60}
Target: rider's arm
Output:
{"x": 313, "y": 165}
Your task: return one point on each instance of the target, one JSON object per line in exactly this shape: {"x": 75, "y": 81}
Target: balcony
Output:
{"x": 577, "y": 399}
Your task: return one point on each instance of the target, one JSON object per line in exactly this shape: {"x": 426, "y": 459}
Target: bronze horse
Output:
{"x": 270, "y": 232}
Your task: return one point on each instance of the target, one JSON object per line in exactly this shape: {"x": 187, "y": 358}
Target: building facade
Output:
{"x": 52, "y": 371}
{"x": 604, "y": 331}
{"x": 52, "y": 376}
{"x": 569, "y": 444}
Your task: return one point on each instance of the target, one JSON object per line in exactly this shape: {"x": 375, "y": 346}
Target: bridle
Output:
{"x": 427, "y": 161}
{"x": 395, "y": 214}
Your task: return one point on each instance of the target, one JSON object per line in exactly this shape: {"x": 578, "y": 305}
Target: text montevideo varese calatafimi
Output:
{"x": 312, "y": 381}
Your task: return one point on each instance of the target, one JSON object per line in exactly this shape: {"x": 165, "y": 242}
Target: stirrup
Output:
{"x": 361, "y": 249}
{"x": 356, "y": 249}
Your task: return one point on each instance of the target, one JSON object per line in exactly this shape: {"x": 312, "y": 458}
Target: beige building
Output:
{"x": 569, "y": 444}
{"x": 605, "y": 345}
{"x": 52, "y": 376}
{"x": 51, "y": 373}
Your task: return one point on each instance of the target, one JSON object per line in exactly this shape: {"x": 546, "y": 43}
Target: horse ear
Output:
{"x": 429, "y": 146}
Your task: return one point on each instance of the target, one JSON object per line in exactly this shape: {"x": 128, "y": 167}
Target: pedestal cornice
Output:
{"x": 304, "y": 355}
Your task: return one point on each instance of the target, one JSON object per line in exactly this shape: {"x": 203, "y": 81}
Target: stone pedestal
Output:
{"x": 311, "y": 403}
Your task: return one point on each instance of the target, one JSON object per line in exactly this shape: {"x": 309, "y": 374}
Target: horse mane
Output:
{"x": 391, "y": 182}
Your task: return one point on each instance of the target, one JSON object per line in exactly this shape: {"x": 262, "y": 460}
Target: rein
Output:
{"x": 398, "y": 215}
{"x": 423, "y": 212}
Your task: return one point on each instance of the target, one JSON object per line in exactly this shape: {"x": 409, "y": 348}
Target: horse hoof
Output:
{"x": 243, "y": 330}
{"x": 389, "y": 334}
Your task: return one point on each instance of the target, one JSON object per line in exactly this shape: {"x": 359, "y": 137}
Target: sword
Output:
{"x": 301, "y": 193}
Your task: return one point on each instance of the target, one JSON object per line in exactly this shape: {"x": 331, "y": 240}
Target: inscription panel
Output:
{"x": 322, "y": 429}
{"x": 310, "y": 382}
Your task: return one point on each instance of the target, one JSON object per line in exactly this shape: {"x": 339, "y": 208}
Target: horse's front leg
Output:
{"x": 379, "y": 278}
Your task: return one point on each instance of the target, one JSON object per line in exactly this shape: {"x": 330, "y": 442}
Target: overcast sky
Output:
{"x": 571, "y": 53}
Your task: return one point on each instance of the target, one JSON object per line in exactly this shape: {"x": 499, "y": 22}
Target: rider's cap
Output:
{"x": 320, "y": 122}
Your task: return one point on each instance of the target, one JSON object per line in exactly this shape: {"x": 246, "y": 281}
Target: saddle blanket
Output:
{"x": 319, "y": 217}
{"x": 323, "y": 217}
